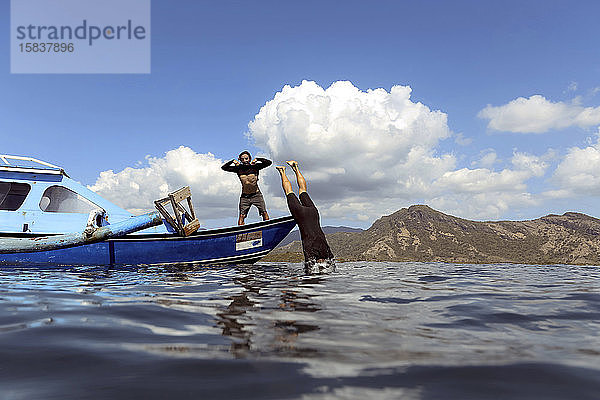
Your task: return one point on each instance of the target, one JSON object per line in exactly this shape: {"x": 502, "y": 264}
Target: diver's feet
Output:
{"x": 293, "y": 164}
{"x": 281, "y": 169}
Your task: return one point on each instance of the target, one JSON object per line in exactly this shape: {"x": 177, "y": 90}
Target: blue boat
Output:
{"x": 47, "y": 218}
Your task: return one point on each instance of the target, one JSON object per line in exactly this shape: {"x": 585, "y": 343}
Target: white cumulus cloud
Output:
{"x": 483, "y": 193}
{"x": 371, "y": 152}
{"x": 484, "y": 205}
{"x": 578, "y": 174}
{"x": 536, "y": 114}
{"x": 361, "y": 147}
{"x": 365, "y": 153}
{"x": 214, "y": 192}
{"x": 487, "y": 159}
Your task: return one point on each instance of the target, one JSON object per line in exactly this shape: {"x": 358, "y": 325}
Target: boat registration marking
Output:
{"x": 249, "y": 240}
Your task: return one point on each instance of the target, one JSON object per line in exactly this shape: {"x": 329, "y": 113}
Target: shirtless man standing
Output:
{"x": 317, "y": 254}
{"x": 247, "y": 171}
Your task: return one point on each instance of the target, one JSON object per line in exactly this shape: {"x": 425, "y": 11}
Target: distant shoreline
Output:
{"x": 420, "y": 233}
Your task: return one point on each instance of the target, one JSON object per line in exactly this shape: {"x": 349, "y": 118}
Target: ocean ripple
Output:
{"x": 384, "y": 330}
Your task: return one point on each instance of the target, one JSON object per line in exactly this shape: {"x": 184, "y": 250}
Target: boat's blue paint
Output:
{"x": 207, "y": 247}
{"x": 41, "y": 222}
{"x": 28, "y": 176}
{"x": 154, "y": 245}
{"x": 55, "y": 242}
{"x": 89, "y": 254}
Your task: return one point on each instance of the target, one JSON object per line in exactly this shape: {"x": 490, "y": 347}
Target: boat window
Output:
{"x": 61, "y": 199}
{"x": 12, "y": 195}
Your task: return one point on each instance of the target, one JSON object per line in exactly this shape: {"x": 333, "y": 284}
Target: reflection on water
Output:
{"x": 385, "y": 330}
{"x": 231, "y": 318}
{"x": 237, "y": 320}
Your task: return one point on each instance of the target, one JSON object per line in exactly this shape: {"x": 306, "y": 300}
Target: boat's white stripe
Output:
{"x": 217, "y": 260}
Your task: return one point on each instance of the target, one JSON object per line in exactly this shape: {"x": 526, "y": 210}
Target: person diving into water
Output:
{"x": 317, "y": 254}
{"x": 247, "y": 171}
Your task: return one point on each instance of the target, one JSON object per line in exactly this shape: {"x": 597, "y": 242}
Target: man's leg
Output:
{"x": 285, "y": 182}
{"x": 293, "y": 203}
{"x": 299, "y": 178}
{"x": 244, "y": 208}
{"x": 259, "y": 201}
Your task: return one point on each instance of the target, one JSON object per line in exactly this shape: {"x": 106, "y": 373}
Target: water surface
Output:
{"x": 378, "y": 330}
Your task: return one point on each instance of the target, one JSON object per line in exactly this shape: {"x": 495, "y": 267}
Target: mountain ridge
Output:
{"x": 420, "y": 233}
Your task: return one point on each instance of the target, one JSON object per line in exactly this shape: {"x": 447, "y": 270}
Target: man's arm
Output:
{"x": 230, "y": 166}
{"x": 262, "y": 162}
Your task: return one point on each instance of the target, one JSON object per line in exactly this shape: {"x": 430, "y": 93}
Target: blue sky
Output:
{"x": 215, "y": 64}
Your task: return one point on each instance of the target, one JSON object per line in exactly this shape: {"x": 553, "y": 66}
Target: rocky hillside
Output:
{"x": 419, "y": 233}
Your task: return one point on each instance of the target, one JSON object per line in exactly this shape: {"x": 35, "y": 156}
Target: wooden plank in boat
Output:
{"x": 181, "y": 194}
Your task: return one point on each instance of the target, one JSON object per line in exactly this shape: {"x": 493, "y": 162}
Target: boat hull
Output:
{"x": 240, "y": 244}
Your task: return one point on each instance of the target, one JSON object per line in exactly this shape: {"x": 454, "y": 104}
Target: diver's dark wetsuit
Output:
{"x": 305, "y": 213}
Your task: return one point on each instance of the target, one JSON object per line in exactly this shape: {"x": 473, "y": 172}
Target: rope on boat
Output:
{"x": 44, "y": 243}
